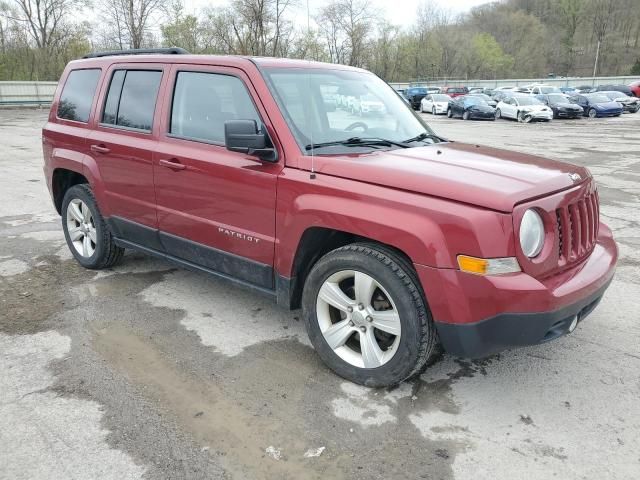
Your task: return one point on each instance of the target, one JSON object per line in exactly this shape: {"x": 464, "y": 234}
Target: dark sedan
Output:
{"x": 470, "y": 107}
{"x": 415, "y": 96}
{"x": 597, "y": 105}
{"x": 490, "y": 101}
{"x": 561, "y": 106}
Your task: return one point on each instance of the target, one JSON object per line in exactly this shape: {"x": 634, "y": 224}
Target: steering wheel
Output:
{"x": 355, "y": 125}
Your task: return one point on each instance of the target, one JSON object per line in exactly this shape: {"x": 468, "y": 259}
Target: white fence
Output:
{"x": 27, "y": 93}
{"x": 516, "y": 82}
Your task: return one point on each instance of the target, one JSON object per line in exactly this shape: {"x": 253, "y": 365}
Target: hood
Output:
{"x": 487, "y": 177}
{"x": 481, "y": 108}
{"x": 567, "y": 105}
{"x": 607, "y": 106}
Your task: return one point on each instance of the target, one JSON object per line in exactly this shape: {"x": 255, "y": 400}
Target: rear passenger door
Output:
{"x": 122, "y": 145}
{"x": 216, "y": 208}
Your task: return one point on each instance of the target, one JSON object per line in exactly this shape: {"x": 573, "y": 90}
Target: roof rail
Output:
{"x": 138, "y": 51}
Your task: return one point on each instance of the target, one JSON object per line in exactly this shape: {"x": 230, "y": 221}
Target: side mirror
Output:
{"x": 243, "y": 136}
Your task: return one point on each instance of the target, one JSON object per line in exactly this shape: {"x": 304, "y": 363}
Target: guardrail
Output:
{"x": 27, "y": 93}
{"x": 517, "y": 82}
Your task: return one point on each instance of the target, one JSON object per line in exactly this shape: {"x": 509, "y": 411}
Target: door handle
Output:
{"x": 100, "y": 149}
{"x": 173, "y": 164}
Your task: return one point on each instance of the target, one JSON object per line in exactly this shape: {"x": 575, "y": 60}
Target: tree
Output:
{"x": 635, "y": 70}
{"x": 486, "y": 58}
{"x": 128, "y": 21}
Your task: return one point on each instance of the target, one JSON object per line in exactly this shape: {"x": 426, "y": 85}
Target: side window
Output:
{"x": 77, "y": 95}
{"x": 131, "y": 100}
{"x": 203, "y": 102}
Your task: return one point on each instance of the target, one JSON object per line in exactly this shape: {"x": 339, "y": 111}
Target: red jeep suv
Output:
{"x": 389, "y": 237}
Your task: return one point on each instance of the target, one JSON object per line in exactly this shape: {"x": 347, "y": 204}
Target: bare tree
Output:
{"x": 128, "y": 21}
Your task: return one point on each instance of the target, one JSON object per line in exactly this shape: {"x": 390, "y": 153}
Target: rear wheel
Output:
{"x": 366, "y": 315}
{"x": 85, "y": 230}
{"x": 498, "y": 113}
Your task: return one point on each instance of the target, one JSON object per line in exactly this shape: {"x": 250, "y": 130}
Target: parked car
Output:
{"x": 544, "y": 89}
{"x": 629, "y": 103}
{"x": 431, "y": 90}
{"x": 597, "y": 105}
{"x": 435, "y": 103}
{"x": 476, "y": 90}
{"x": 524, "y": 108}
{"x": 368, "y": 105}
{"x": 470, "y": 107}
{"x": 584, "y": 89}
{"x": 414, "y": 95}
{"x": 401, "y": 91}
{"x": 525, "y": 90}
{"x": 502, "y": 94}
{"x": 614, "y": 88}
{"x": 454, "y": 91}
{"x": 635, "y": 88}
{"x": 569, "y": 90}
{"x": 560, "y": 105}
{"x": 490, "y": 101}
{"x": 390, "y": 238}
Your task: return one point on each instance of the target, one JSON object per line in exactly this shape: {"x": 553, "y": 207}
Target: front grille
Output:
{"x": 577, "y": 228}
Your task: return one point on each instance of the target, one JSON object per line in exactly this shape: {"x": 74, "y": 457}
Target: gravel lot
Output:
{"x": 147, "y": 371}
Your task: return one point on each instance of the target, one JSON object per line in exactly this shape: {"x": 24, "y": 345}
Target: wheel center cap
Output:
{"x": 358, "y": 318}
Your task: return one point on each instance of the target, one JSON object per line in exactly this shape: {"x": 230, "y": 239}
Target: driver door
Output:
{"x": 510, "y": 109}
{"x": 216, "y": 208}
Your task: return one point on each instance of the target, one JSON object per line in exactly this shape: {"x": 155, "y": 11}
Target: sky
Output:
{"x": 399, "y": 12}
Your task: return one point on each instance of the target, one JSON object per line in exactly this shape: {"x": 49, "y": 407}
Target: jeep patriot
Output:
{"x": 390, "y": 238}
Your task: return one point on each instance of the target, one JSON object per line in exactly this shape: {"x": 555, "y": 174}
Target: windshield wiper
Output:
{"x": 423, "y": 136}
{"x": 359, "y": 142}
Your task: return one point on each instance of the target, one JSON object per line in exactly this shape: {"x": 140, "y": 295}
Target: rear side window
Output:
{"x": 203, "y": 102}
{"x": 131, "y": 100}
{"x": 77, "y": 95}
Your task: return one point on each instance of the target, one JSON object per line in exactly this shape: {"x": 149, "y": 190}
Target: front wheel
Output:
{"x": 449, "y": 113}
{"x": 592, "y": 113}
{"x": 86, "y": 231}
{"x": 433, "y": 110}
{"x": 366, "y": 315}
{"x": 498, "y": 114}
{"x": 466, "y": 115}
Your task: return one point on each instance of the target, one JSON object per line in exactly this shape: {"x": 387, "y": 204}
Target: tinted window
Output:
{"x": 77, "y": 95}
{"x": 202, "y": 102}
{"x": 134, "y": 92}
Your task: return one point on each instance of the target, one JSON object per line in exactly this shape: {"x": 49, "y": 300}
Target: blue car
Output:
{"x": 597, "y": 105}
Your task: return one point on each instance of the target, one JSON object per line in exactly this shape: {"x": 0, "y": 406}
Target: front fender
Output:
{"x": 430, "y": 231}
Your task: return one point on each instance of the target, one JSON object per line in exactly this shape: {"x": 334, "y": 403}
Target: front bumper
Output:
{"x": 569, "y": 113}
{"x": 476, "y": 115}
{"x": 476, "y": 316}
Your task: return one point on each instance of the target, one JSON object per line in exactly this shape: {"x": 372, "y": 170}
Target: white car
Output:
{"x": 523, "y": 108}
{"x": 435, "y": 103}
{"x": 367, "y": 104}
{"x": 544, "y": 89}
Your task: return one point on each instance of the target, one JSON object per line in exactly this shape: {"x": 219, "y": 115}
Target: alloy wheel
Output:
{"x": 81, "y": 228}
{"x": 358, "y": 319}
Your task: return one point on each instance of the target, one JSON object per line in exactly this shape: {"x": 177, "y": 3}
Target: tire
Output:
{"x": 498, "y": 114}
{"x": 592, "y": 113}
{"x": 433, "y": 111}
{"x": 449, "y": 113}
{"x": 80, "y": 211}
{"x": 527, "y": 118}
{"x": 466, "y": 115}
{"x": 395, "y": 287}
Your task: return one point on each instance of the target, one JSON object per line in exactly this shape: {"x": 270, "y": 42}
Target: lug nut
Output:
{"x": 363, "y": 329}
{"x": 369, "y": 318}
{"x": 351, "y": 324}
{"x": 349, "y": 309}
{"x": 360, "y": 306}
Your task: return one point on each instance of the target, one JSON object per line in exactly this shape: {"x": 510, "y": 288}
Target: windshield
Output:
{"x": 441, "y": 98}
{"x": 299, "y": 93}
{"x": 598, "y": 98}
{"x": 474, "y": 101}
{"x": 486, "y": 98}
{"x": 526, "y": 100}
{"x": 614, "y": 95}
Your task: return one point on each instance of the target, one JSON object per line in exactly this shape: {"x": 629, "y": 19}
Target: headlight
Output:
{"x": 531, "y": 233}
